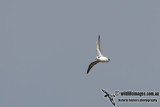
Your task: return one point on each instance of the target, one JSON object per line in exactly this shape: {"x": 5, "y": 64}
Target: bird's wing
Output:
{"x": 98, "y": 46}
{"x": 111, "y": 99}
{"x": 105, "y": 92}
{"x": 91, "y": 65}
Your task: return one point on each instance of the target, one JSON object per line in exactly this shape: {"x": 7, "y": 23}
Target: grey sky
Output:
{"x": 46, "y": 47}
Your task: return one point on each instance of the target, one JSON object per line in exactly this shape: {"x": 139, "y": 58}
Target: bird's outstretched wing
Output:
{"x": 105, "y": 92}
{"x": 98, "y": 46}
{"x": 91, "y": 65}
{"x": 111, "y": 99}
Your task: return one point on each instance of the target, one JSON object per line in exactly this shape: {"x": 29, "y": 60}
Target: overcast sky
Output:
{"x": 47, "y": 45}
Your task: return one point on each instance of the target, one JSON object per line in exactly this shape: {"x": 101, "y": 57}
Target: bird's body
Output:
{"x": 100, "y": 57}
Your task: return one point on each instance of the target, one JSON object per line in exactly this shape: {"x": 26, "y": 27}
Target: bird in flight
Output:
{"x": 100, "y": 57}
{"x": 109, "y": 96}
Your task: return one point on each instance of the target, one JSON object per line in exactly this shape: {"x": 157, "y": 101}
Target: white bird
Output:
{"x": 100, "y": 57}
{"x": 109, "y": 96}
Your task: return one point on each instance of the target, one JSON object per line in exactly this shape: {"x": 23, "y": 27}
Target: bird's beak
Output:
{"x": 108, "y": 59}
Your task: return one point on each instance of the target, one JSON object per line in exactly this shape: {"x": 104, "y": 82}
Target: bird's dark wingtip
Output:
{"x": 87, "y": 72}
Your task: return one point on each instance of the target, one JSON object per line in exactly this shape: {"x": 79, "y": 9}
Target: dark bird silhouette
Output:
{"x": 109, "y": 96}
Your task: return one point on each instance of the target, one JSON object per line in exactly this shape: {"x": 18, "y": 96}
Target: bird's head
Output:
{"x": 98, "y": 57}
{"x": 105, "y": 96}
